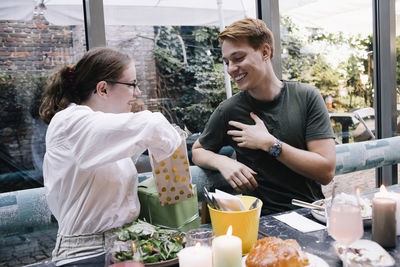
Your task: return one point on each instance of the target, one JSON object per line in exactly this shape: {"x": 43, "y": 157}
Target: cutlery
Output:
{"x": 208, "y": 198}
{"x": 262, "y": 234}
{"x": 206, "y": 192}
{"x": 304, "y": 204}
{"x": 215, "y": 203}
{"x": 254, "y": 204}
{"x": 211, "y": 200}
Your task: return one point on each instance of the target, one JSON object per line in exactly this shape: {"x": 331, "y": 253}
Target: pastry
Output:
{"x": 275, "y": 252}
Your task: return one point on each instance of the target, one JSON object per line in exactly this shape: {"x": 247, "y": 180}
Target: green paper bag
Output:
{"x": 182, "y": 216}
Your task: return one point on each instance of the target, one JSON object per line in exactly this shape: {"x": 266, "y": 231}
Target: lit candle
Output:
{"x": 227, "y": 250}
{"x": 396, "y": 197}
{"x": 384, "y": 219}
{"x": 197, "y": 256}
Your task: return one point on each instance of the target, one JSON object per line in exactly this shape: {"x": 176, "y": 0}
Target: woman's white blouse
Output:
{"x": 89, "y": 176}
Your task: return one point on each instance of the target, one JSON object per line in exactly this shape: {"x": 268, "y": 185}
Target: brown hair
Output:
{"x": 76, "y": 83}
{"x": 253, "y": 30}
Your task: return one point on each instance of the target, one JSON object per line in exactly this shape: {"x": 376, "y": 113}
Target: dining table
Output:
{"x": 318, "y": 243}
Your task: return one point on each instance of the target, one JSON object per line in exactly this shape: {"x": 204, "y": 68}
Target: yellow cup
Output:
{"x": 244, "y": 223}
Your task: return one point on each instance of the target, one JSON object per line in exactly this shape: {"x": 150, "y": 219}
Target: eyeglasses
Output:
{"x": 134, "y": 84}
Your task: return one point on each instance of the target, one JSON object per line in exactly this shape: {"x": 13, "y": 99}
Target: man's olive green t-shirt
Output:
{"x": 297, "y": 115}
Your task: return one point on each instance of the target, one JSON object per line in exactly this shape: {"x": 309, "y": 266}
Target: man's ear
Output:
{"x": 101, "y": 88}
{"x": 266, "y": 52}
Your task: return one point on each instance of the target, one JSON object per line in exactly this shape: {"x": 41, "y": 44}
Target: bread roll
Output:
{"x": 275, "y": 252}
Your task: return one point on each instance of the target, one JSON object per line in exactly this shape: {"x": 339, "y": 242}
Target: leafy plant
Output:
{"x": 305, "y": 58}
{"x": 398, "y": 64}
{"x": 189, "y": 92}
{"x": 10, "y": 106}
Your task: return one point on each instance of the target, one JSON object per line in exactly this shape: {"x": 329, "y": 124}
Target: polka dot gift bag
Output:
{"x": 173, "y": 180}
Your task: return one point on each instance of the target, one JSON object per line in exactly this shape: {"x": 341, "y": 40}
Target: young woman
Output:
{"x": 89, "y": 176}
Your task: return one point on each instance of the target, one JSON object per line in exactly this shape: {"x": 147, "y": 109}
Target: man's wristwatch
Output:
{"x": 276, "y": 149}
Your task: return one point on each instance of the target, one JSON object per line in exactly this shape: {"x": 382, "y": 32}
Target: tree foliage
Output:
{"x": 398, "y": 64}
{"x": 189, "y": 92}
{"x": 307, "y": 56}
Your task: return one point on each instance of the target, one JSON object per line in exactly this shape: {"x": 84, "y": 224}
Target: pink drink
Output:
{"x": 345, "y": 223}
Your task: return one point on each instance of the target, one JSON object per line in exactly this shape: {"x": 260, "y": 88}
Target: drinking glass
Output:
{"x": 203, "y": 236}
{"x": 139, "y": 104}
{"x": 344, "y": 220}
{"x": 131, "y": 246}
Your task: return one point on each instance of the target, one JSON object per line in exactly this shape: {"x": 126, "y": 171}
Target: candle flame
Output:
{"x": 229, "y": 232}
{"x": 197, "y": 245}
{"x": 358, "y": 196}
{"x": 383, "y": 189}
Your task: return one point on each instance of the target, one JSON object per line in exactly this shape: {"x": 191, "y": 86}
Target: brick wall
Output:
{"x": 27, "y": 49}
{"x": 139, "y": 42}
{"x": 28, "y": 46}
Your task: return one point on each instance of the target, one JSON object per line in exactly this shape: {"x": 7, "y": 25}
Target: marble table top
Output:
{"x": 319, "y": 242}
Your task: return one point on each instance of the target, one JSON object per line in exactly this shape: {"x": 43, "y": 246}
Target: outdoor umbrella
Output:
{"x": 132, "y": 12}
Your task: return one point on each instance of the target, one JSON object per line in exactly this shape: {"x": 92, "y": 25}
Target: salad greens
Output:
{"x": 147, "y": 243}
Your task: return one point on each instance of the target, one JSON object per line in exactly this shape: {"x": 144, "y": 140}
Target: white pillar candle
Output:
{"x": 384, "y": 219}
{"x": 227, "y": 250}
{"x": 396, "y": 197}
{"x": 197, "y": 256}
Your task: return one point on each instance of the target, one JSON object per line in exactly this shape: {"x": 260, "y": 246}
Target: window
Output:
{"x": 34, "y": 40}
{"x": 178, "y": 58}
{"x": 322, "y": 44}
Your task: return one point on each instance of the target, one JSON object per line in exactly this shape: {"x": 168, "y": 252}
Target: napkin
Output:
{"x": 299, "y": 222}
{"x": 228, "y": 202}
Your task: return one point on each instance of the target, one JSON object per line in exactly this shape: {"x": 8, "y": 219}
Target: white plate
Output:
{"x": 320, "y": 214}
{"x": 315, "y": 261}
{"x": 368, "y": 251}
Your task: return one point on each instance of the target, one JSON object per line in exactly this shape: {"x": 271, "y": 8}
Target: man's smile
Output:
{"x": 240, "y": 77}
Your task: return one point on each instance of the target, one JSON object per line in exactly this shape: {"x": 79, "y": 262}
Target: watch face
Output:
{"x": 275, "y": 149}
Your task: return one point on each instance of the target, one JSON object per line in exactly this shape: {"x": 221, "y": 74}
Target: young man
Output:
{"x": 280, "y": 130}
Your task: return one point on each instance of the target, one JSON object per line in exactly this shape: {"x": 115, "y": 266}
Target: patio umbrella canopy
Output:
{"x": 348, "y": 16}
{"x": 133, "y": 12}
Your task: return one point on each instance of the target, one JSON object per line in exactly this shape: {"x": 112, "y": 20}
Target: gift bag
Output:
{"x": 181, "y": 216}
{"x": 172, "y": 175}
